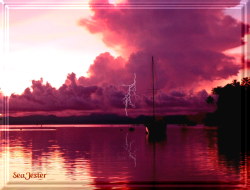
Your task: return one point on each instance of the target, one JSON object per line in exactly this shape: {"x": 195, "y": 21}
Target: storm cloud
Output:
{"x": 188, "y": 46}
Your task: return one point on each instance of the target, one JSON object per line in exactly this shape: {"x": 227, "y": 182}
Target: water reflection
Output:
{"x": 102, "y": 156}
{"x": 229, "y": 145}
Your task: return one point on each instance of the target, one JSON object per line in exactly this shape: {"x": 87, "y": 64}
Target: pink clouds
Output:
{"x": 178, "y": 102}
{"x": 79, "y": 96}
{"x": 72, "y": 98}
{"x": 188, "y": 43}
{"x": 105, "y": 70}
{"x": 43, "y": 97}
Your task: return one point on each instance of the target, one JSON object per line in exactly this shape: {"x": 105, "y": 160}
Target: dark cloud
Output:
{"x": 43, "y": 97}
{"x": 106, "y": 70}
{"x": 188, "y": 44}
{"x": 179, "y": 102}
{"x": 72, "y": 97}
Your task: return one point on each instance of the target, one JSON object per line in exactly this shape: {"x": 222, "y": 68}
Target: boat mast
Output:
{"x": 153, "y": 81}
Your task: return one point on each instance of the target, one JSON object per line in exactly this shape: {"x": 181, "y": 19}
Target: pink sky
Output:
{"x": 41, "y": 41}
{"x": 195, "y": 50}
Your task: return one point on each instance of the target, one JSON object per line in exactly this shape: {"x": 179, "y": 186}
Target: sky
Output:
{"x": 77, "y": 60}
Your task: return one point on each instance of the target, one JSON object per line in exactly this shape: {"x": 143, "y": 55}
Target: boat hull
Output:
{"x": 156, "y": 130}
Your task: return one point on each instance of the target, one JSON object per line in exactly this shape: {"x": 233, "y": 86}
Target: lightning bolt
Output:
{"x": 131, "y": 93}
{"x": 128, "y": 148}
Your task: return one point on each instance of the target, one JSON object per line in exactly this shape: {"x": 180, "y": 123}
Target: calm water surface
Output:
{"x": 100, "y": 156}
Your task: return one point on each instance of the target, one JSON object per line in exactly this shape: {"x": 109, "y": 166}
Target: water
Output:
{"x": 99, "y": 156}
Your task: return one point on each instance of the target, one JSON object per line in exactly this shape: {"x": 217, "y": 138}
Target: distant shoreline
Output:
{"x": 94, "y": 119}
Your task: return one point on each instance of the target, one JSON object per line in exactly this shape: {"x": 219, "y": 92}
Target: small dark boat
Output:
{"x": 156, "y": 125}
{"x": 156, "y": 129}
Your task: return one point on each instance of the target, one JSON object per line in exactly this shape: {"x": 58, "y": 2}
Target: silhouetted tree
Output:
{"x": 230, "y": 102}
{"x": 230, "y": 116}
{"x": 210, "y": 100}
{"x": 245, "y": 82}
{"x": 235, "y": 83}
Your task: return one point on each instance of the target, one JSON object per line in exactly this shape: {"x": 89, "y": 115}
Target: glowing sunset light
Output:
{"x": 47, "y": 44}
{"x": 50, "y": 64}
{"x": 85, "y": 55}
{"x": 116, "y": 2}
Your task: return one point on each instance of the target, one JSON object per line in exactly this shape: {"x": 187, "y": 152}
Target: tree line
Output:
{"x": 231, "y": 101}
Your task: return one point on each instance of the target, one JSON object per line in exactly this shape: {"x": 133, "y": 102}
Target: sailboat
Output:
{"x": 156, "y": 125}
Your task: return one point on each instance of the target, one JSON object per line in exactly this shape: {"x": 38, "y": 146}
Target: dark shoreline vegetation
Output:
{"x": 231, "y": 118}
{"x": 94, "y": 119}
{"x": 231, "y": 104}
